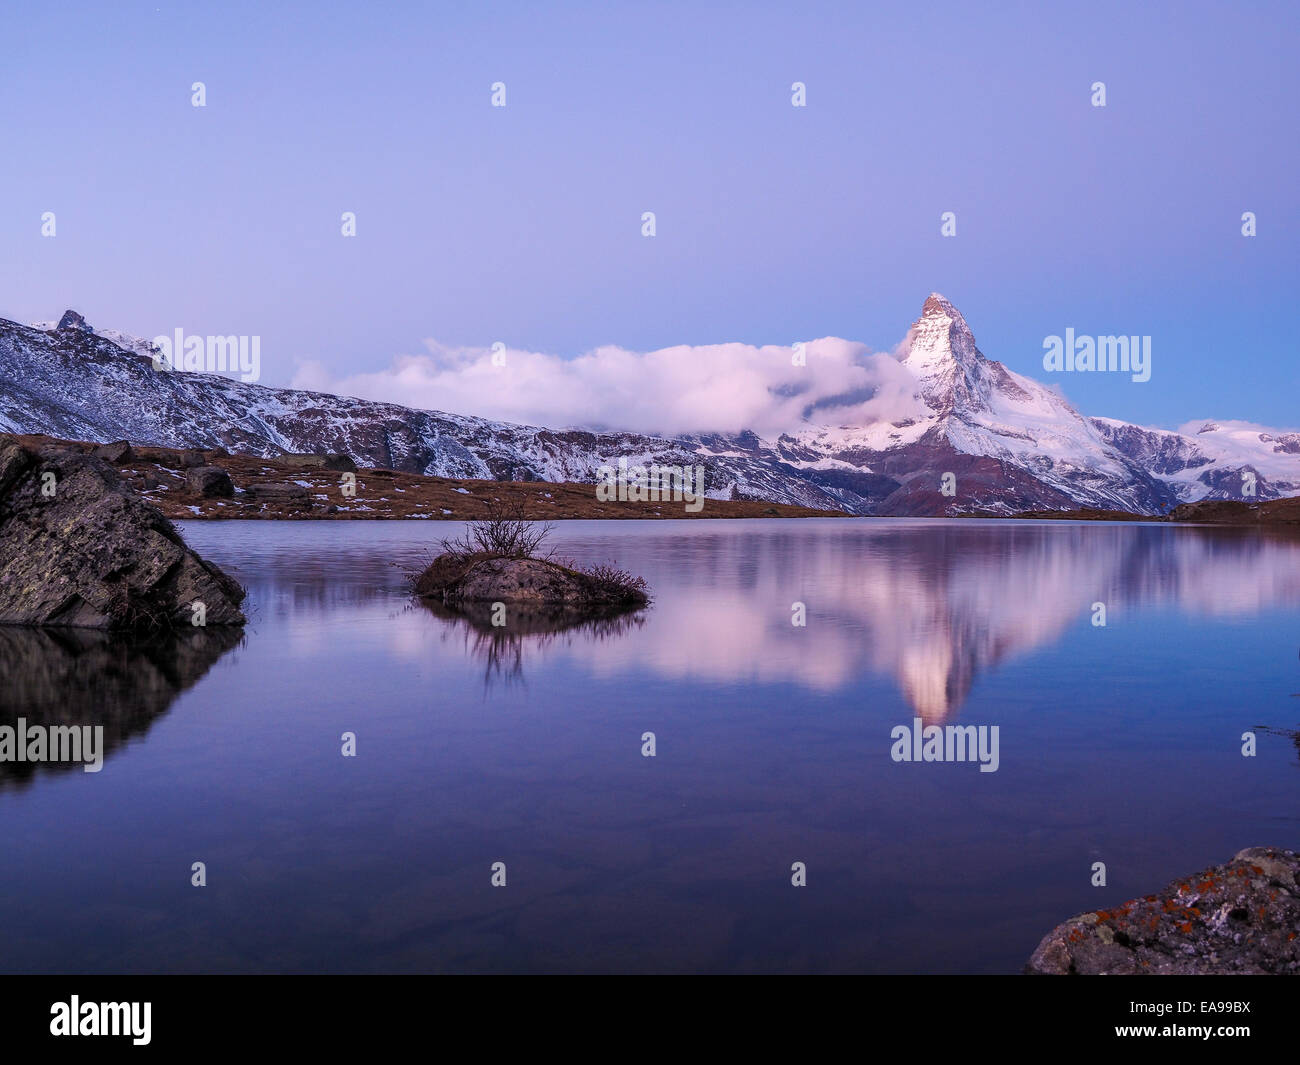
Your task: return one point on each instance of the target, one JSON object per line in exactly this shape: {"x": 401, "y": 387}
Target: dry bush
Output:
{"x": 617, "y": 585}
{"x": 504, "y": 533}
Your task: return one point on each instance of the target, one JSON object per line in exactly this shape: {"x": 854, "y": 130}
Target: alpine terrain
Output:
{"x": 1011, "y": 443}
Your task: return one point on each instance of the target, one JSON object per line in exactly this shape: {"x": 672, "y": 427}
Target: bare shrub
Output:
{"x": 617, "y": 585}
{"x": 504, "y": 533}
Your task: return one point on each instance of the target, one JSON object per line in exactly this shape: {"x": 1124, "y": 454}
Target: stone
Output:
{"x": 117, "y": 452}
{"x": 458, "y": 579}
{"x": 210, "y": 482}
{"x": 322, "y": 462}
{"x": 1239, "y": 917}
{"x": 78, "y": 548}
{"x": 276, "y": 492}
{"x": 71, "y": 320}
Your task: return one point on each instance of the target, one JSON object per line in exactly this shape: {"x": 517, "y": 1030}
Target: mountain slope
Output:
{"x": 1011, "y": 443}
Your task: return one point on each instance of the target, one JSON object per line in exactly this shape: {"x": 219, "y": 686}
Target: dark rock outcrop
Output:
{"x": 78, "y": 548}
{"x": 116, "y": 452}
{"x": 1239, "y": 917}
{"x": 71, "y": 320}
{"x": 276, "y": 492}
{"x": 211, "y": 482}
{"x": 324, "y": 462}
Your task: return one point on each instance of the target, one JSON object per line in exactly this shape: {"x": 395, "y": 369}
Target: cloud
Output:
{"x": 683, "y": 389}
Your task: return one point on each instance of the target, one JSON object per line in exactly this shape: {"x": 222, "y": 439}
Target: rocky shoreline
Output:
{"x": 1239, "y": 917}
{"x": 80, "y": 549}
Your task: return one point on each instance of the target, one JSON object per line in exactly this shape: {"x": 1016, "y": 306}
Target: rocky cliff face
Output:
{"x": 1011, "y": 443}
{"x": 79, "y": 550}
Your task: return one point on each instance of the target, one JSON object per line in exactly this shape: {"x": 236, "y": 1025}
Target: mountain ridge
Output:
{"x": 1011, "y": 443}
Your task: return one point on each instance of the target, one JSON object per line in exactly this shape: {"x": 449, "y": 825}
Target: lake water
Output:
{"x": 1118, "y": 744}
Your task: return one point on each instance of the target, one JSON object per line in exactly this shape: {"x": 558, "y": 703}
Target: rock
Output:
{"x": 518, "y": 580}
{"x": 93, "y": 554}
{"x": 1214, "y": 510}
{"x": 211, "y": 482}
{"x": 117, "y": 452}
{"x": 323, "y": 462}
{"x": 275, "y": 492}
{"x": 1240, "y": 917}
{"x": 71, "y": 320}
{"x": 192, "y": 459}
{"x": 457, "y": 580}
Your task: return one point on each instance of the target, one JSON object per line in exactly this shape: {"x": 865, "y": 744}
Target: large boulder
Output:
{"x": 1239, "y": 917}
{"x": 276, "y": 492}
{"x": 117, "y": 452}
{"x": 519, "y": 580}
{"x": 78, "y": 548}
{"x": 329, "y": 461}
{"x": 465, "y": 579}
{"x": 210, "y": 482}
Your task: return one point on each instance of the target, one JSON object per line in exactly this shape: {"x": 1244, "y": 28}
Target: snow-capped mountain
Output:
{"x": 1011, "y": 443}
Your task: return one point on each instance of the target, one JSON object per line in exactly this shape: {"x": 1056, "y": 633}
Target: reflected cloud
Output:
{"x": 935, "y": 605}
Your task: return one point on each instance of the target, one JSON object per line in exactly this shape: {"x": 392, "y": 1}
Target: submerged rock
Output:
{"x": 78, "y": 548}
{"x": 1239, "y": 917}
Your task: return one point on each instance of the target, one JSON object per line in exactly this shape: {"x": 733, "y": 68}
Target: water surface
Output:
{"x": 1118, "y": 743}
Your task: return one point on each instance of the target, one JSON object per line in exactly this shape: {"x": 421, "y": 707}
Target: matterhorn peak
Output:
{"x": 938, "y": 339}
{"x": 940, "y": 350}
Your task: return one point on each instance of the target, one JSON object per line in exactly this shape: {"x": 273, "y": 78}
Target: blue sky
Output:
{"x": 774, "y": 224}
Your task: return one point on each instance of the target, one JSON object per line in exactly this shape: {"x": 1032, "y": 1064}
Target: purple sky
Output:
{"x": 775, "y": 224}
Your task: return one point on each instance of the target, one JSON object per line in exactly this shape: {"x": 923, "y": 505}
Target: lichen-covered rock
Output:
{"x": 519, "y": 580}
{"x": 459, "y": 579}
{"x": 1240, "y": 917}
{"x": 78, "y": 548}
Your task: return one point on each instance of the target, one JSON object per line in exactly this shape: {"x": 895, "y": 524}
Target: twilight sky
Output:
{"x": 522, "y": 225}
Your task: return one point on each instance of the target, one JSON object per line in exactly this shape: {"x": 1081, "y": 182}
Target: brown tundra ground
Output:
{"x": 303, "y": 490}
